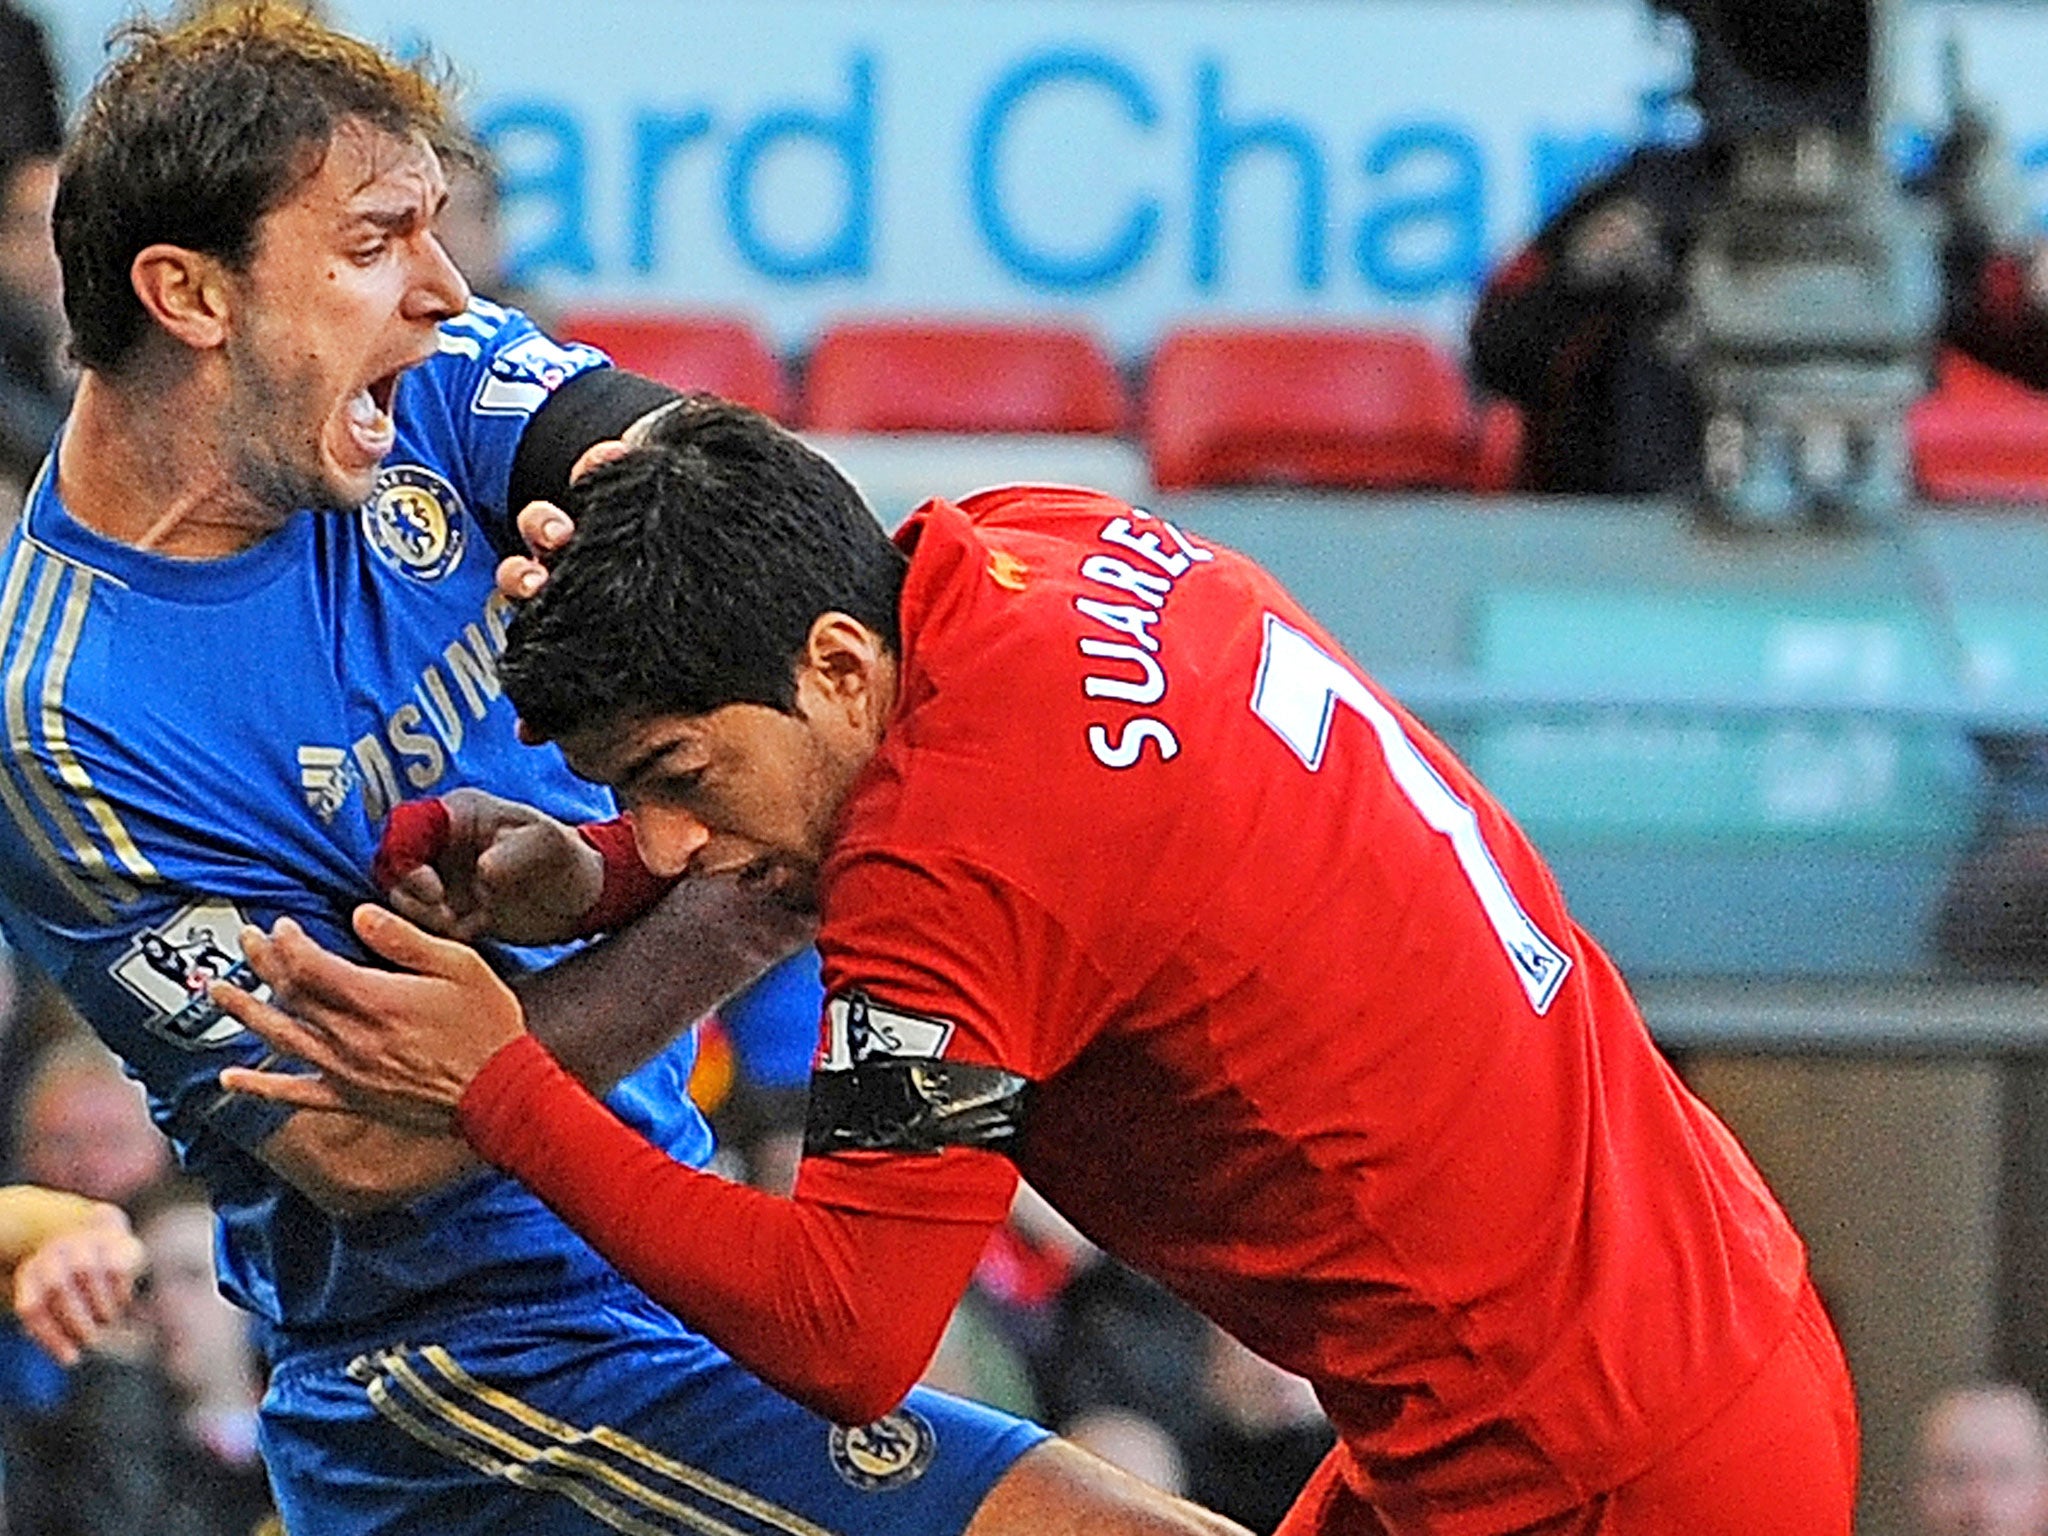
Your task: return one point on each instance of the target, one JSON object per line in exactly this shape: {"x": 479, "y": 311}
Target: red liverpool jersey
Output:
{"x": 1312, "y": 1037}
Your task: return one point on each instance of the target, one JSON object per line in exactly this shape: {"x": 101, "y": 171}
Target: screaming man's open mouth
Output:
{"x": 369, "y": 416}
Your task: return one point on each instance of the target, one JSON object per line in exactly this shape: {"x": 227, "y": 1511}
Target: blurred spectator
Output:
{"x": 35, "y": 377}
{"x": 1115, "y": 1361}
{"x": 83, "y": 1125}
{"x": 37, "y": 1018}
{"x": 1587, "y": 327}
{"x": 212, "y": 1472}
{"x": 1053, "y": 1329}
{"x": 1980, "y": 1464}
{"x": 1120, "y": 1341}
{"x": 1579, "y": 330}
{"x": 31, "y": 117}
{"x": 1119, "y": 1366}
{"x": 1005, "y": 1326}
{"x": 1265, "y": 1435}
{"x": 1583, "y": 327}
{"x": 157, "y": 1433}
{"x": 71, "y": 1264}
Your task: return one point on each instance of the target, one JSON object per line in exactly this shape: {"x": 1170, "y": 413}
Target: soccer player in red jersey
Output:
{"x": 1131, "y": 883}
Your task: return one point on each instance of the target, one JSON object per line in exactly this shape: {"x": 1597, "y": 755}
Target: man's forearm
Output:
{"x": 602, "y": 1012}
{"x": 31, "y": 1215}
{"x": 350, "y": 1166}
{"x": 838, "y": 1308}
{"x": 606, "y": 1010}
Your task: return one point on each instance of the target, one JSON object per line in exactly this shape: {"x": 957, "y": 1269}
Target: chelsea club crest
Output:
{"x": 888, "y": 1453}
{"x": 413, "y": 519}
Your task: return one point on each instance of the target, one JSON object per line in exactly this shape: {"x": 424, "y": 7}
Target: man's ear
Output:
{"x": 843, "y": 656}
{"x": 185, "y": 292}
{"x": 840, "y": 646}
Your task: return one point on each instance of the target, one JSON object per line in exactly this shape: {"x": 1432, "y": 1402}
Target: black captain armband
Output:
{"x": 591, "y": 408}
{"x": 894, "y": 1104}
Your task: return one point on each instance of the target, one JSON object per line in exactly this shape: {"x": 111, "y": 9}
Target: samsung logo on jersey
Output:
{"x": 416, "y": 744}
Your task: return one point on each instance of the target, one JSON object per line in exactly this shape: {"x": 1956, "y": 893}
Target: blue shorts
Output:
{"x": 601, "y": 1413}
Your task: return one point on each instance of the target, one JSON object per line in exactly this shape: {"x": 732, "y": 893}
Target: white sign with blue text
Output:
{"x": 1135, "y": 164}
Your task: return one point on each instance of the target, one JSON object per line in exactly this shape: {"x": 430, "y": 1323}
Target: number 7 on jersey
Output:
{"x": 1298, "y": 690}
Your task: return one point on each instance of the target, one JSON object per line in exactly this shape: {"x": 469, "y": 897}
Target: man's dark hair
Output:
{"x": 198, "y": 130}
{"x": 701, "y": 560}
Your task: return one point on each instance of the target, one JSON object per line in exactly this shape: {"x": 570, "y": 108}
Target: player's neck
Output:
{"x": 138, "y": 465}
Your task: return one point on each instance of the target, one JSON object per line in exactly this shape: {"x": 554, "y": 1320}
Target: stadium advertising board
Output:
{"x": 1140, "y": 162}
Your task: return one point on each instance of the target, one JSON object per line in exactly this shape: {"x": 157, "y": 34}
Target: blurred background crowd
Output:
{"x": 1696, "y": 498}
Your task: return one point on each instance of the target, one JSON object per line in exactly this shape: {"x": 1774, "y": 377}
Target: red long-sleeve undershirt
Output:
{"x": 840, "y": 1309}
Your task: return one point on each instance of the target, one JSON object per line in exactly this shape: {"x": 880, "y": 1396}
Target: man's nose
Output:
{"x": 668, "y": 839}
{"x": 439, "y": 290}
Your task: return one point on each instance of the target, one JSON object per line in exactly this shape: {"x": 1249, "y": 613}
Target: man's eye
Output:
{"x": 675, "y": 788}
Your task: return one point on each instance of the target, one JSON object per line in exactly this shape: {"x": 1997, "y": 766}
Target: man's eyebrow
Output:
{"x": 639, "y": 765}
{"x": 395, "y": 219}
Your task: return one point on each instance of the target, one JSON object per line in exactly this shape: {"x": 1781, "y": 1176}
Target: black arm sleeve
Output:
{"x": 918, "y": 1105}
{"x": 590, "y": 408}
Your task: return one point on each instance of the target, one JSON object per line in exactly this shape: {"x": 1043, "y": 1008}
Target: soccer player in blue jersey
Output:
{"x": 248, "y": 610}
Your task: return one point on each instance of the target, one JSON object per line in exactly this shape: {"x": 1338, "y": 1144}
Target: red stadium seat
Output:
{"x": 719, "y": 353}
{"x": 1979, "y": 436}
{"x": 958, "y": 376}
{"x": 1353, "y": 409}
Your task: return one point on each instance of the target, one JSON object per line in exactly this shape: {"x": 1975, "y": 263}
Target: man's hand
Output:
{"x": 498, "y": 868}
{"x": 546, "y": 527}
{"x": 390, "y": 1046}
{"x": 76, "y": 1286}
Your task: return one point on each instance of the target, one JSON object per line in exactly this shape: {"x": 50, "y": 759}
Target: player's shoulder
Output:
{"x": 1004, "y": 572}
{"x": 1047, "y": 509}
{"x": 505, "y": 360}
{"x": 1036, "y": 540}
{"x": 54, "y": 599}
{"x": 1045, "y": 630}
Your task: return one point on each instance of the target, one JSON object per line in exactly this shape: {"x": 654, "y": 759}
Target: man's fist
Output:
{"x": 471, "y": 865}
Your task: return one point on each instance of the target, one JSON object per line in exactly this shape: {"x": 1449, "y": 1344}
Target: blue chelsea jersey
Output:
{"x": 192, "y": 745}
